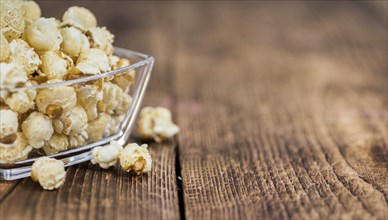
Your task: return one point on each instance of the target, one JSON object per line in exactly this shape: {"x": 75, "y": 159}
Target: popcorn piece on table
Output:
{"x": 71, "y": 122}
{"x": 102, "y": 39}
{"x": 25, "y": 55}
{"x": 55, "y": 100}
{"x": 49, "y": 172}
{"x": 74, "y": 42}
{"x": 93, "y": 61}
{"x": 106, "y": 156}
{"x": 55, "y": 65}
{"x": 135, "y": 158}
{"x": 16, "y": 151}
{"x": 11, "y": 20}
{"x": 4, "y": 48}
{"x": 8, "y": 126}
{"x": 156, "y": 123}
{"x": 44, "y": 35}
{"x": 57, "y": 143}
{"x": 80, "y": 18}
{"x": 37, "y": 128}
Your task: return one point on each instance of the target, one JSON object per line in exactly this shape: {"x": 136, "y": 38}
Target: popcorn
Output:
{"x": 113, "y": 99}
{"x": 96, "y": 127}
{"x": 102, "y": 39}
{"x": 57, "y": 143}
{"x": 156, "y": 123}
{"x": 54, "y": 65}
{"x": 44, "y": 35}
{"x": 22, "y": 101}
{"x": 23, "y": 54}
{"x": 8, "y": 126}
{"x": 136, "y": 158}
{"x": 61, "y": 98}
{"x": 125, "y": 79}
{"x": 78, "y": 139}
{"x": 74, "y": 42}
{"x": 12, "y": 75}
{"x": 4, "y": 48}
{"x": 11, "y": 20}
{"x": 80, "y": 18}
{"x": 49, "y": 172}
{"x": 71, "y": 122}
{"x": 113, "y": 125}
{"x": 88, "y": 96}
{"x": 37, "y": 128}
{"x": 16, "y": 151}
{"x": 93, "y": 61}
{"x": 30, "y": 11}
{"x": 106, "y": 156}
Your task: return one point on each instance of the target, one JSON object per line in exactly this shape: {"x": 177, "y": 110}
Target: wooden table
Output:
{"x": 282, "y": 107}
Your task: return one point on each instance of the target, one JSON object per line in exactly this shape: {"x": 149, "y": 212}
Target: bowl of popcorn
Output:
{"x": 64, "y": 88}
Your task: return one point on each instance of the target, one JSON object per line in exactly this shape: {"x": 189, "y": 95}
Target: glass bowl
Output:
{"x": 116, "y": 122}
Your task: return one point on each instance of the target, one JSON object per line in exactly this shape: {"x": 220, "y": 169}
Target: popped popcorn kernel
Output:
{"x": 80, "y": 18}
{"x": 71, "y": 122}
{"x": 12, "y": 75}
{"x": 125, "y": 79}
{"x": 156, "y": 123}
{"x": 78, "y": 140}
{"x": 113, "y": 98}
{"x": 57, "y": 143}
{"x": 49, "y": 172}
{"x": 88, "y": 96}
{"x": 8, "y": 126}
{"x": 95, "y": 128}
{"x": 55, "y": 65}
{"x": 136, "y": 158}
{"x": 63, "y": 96}
{"x": 25, "y": 55}
{"x": 102, "y": 39}
{"x": 30, "y": 11}
{"x": 74, "y": 42}
{"x": 5, "y": 49}
{"x": 11, "y": 20}
{"x": 37, "y": 128}
{"x": 93, "y": 61}
{"x": 44, "y": 35}
{"x": 106, "y": 156}
{"x": 22, "y": 101}
{"x": 16, "y": 151}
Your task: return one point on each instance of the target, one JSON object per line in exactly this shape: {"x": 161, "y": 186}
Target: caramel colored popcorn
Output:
{"x": 93, "y": 61}
{"x": 62, "y": 98}
{"x": 16, "y": 151}
{"x": 8, "y": 126}
{"x": 156, "y": 123}
{"x": 102, "y": 39}
{"x": 80, "y": 18}
{"x": 4, "y": 48}
{"x": 136, "y": 158}
{"x": 25, "y": 55}
{"x": 56, "y": 143}
{"x": 49, "y": 172}
{"x": 74, "y": 42}
{"x": 55, "y": 65}
{"x": 11, "y": 20}
{"x": 106, "y": 156}
{"x": 37, "y": 128}
{"x": 44, "y": 35}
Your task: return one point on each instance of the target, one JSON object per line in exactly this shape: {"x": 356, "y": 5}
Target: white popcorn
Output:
{"x": 78, "y": 140}
{"x": 74, "y": 42}
{"x": 25, "y": 55}
{"x": 106, "y": 156}
{"x": 16, "y": 151}
{"x": 79, "y": 17}
{"x": 57, "y": 143}
{"x": 8, "y": 126}
{"x": 22, "y": 101}
{"x": 111, "y": 99}
{"x": 37, "y": 128}
{"x": 93, "y": 61}
{"x": 30, "y": 11}
{"x": 97, "y": 127}
{"x": 71, "y": 122}
{"x": 125, "y": 79}
{"x": 12, "y": 75}
{"x": 136, "y": 158}
{"x": 88, "y": 96}
{"x": 49, "y": 172}
{"x": 156, "y": 123}
{"x": 113, "y": 125}
{"x": 11, "y": 20}
{"x": 58, "y": 98}
{"x": 5, "y": 49}
{"x": 101, "y": 38}
{"x": 54, "y": 65}
{"x": 44, "y": 35}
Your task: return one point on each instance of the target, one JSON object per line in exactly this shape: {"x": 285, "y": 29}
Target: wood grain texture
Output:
{"x": 283, "y": 108}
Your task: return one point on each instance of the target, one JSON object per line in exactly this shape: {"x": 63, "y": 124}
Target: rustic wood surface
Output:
{"x": 283, "y": 109}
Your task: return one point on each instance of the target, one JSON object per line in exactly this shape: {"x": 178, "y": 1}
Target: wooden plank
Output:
{"x": 90, "y": 192}
{"x": 283, "y": 110}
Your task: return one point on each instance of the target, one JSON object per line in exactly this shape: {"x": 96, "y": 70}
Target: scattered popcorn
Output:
{"x": 106, "y": 156}
{"x": 102, "y": 39}
{"x": 37, "y": 128}
{"x": 71, "y": 122}
{"x": 8, "y": 126}
{"x": 25, "y": 55}
{"x": 54, "y": 65}
{"x": 93, "y": 61}
{"x": 44, "y": 35}
{"x": 22, "y": 101}
{"x": 57, "y": 143}
{"x": 11, "y": 20}
{"x": 63, "y": 98}
{"x": 18, "y": 150}
{"x": 49, "y": 172}
{"x": 74, "y": 42}
{"x": 88, "y": 96}
{"x": 135, "y": 158}
{"x": 96, "y": 127}
{"x": 156, "y": 123}
{"x": 80, "y": 18}
{"x": 4, "y": 48}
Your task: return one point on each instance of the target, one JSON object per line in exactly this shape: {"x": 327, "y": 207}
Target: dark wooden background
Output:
{"x": 282, "y": 107}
